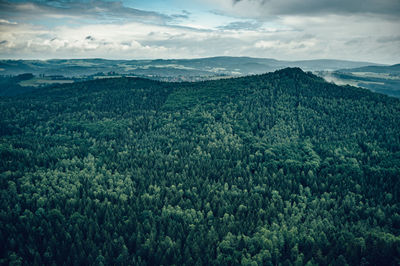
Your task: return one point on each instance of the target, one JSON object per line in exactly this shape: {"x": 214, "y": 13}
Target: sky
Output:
{"x": 359, "y": 30}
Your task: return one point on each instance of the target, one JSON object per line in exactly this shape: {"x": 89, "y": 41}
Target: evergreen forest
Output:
{"x": 281, "y": 168}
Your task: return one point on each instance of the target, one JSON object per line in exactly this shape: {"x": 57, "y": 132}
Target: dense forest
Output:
{"x": 9, "y": 86}
{"x": 274, "y": 169}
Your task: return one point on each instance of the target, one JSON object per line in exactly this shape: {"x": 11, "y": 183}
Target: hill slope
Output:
{"x": 275, "y": 168}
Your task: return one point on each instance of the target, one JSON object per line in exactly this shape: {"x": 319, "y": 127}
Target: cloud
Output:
{"x": 183, "y": 15}
{"x": 133, "y": 40}
{"x": 105, "y": 40}
{"x": 389, "y": 39}
{"x": 314, "y": 7}
{"x": 66, "y": 29}
{"x": 4, "y": 21}
{"x": 323, "y": 37}
{"x": 242, "y": 25}
{"x": 270, "y": 10}
{"x": 96, "y": 9}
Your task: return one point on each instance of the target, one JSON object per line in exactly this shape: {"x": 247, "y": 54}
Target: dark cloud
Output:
{"x": 184, "y": 15}
{"x": 3, "y": 42}
{"x": 242, "y": 25}
{"x": 388, "y": 39}
{"x": 318, "y": 7}
{"x": 187, "y": 13}
{"x": 308, "y": 36}
{"x": 180, "y": 16}
{"x": 97, "y": 9}
{"x": 356, "y": 41}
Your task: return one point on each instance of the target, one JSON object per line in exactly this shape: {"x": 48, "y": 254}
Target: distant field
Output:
{"x": 222, "y": 77}
{"x": 107, "y": 77}
{"x": 375, "y": 75}
{"x": 36, "y": 82}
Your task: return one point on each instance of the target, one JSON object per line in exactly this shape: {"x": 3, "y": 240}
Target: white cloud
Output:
{"x": 359, "y": 37}
{"x": 4, "y": 21}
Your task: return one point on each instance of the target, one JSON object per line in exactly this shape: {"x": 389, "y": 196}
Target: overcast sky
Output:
{"x": 362, "y": 30}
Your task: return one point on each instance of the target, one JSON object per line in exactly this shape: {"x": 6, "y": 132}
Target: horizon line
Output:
{"x": 195, "y": 58}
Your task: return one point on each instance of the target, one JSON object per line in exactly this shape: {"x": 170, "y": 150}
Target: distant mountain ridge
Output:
{"x": 231, "y": 66}
{"x": 393, "y": 69}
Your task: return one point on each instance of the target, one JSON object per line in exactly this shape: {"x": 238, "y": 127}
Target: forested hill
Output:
{"x": 275, "y": 169}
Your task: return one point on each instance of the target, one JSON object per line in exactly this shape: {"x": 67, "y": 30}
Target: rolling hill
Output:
{"x": 279, "y": 168}
{"x": 232, "y": 66}
{"x": 392, "y": 70}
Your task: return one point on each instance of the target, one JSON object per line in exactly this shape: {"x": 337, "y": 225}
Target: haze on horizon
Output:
{"x": 360, "y": 30}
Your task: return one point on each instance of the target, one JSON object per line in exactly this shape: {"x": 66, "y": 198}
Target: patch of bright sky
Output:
{"x": 165, "y": 6}
{"x": 199, "y": 17}
{"x": 54, "y": 22}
